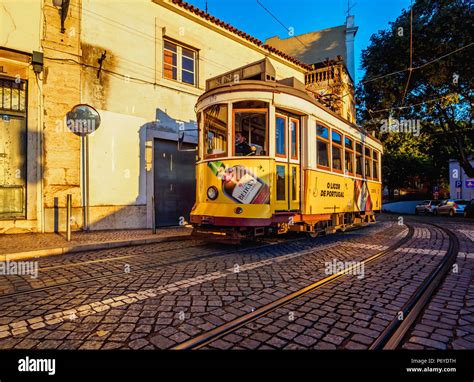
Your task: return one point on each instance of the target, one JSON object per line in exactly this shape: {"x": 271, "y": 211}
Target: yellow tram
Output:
{"x": 272, "y": 159}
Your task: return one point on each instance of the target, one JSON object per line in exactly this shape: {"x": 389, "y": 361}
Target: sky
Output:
{"x": 306, "y": 16}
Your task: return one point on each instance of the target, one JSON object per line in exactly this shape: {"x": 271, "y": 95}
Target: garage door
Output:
{"x": 174, "y": 177}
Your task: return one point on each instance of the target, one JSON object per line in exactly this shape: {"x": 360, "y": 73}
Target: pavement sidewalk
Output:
{"x": 28, "y": 245}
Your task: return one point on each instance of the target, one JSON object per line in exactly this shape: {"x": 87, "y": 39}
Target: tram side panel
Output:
{"x": 328, "y": 193}
{"x": 375, "y": 190}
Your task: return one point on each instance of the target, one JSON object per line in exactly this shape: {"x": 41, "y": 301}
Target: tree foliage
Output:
{"x": 438, "y": 93}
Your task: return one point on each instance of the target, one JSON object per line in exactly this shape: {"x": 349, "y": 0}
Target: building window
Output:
{"x": 215, "y": 131}
{"x": 170, "y": 60}
{"x": 359, "y": 160}
{"x": 336, "y": 150}
{"x": 349, "y": 155}
{"x": 12, "y": 95}
{"x": 322, "y": 150}
{"x": 188, "y": 66}
{"x": 179, "y": 63}
{"x": 13, "y": 143}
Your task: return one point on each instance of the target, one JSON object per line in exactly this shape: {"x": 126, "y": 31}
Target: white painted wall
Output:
{"x": 20, "y": 24}
{"x": 114, "y": 159}
{"x": 132, "y": 34}
{"x": 456, "y": 173}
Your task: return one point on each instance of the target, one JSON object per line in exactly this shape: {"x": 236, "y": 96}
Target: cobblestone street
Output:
{"x": 224, "y": 187}
{"x": 160, "y": 295}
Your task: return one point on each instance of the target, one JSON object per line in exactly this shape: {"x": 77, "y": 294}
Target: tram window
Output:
{"x": 294, "y": 129}
{"x": 215, "y": 131}
{"x": 280, "y": 128}
{"x": 250, "y": 133}
{"x": 336, "y": 137}
{"x": 250, "y": 128}
{"x": 280, "y": 183}
{"x": 323, "y": 155}
{"x": 375, "y": 169}
{"x": 322, "y": 149}
{"x": 322, "y": 131}
{"x": 349, "y": 155}
{"x": 368, "y": 162}
{"x": 359, "y": 159}
{"x": 336, "y": 150}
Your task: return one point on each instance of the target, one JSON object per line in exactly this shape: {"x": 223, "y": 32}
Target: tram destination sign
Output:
{"x": 83, "y": 120}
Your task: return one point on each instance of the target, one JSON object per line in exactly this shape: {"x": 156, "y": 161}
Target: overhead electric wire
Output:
{"x": 148, "y": 36}
{"x": 411, "y": 105}
{"x": 153, "y": 38}
{"x": 410, "y": 68}
{"x": 281, "y": 23}
{"x": 419, "y": 66}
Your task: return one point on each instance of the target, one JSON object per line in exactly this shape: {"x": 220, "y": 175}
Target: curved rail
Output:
{"x": 229, "y": 327}
{"x": 393, "y": 334}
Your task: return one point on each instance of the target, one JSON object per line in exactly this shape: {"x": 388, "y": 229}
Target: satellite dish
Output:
{"x": 83, "y": 120}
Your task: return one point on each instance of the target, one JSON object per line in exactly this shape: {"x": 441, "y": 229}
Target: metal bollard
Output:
{"x": 68, "y": 216}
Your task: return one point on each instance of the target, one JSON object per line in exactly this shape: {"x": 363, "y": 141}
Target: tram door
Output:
{"x": 287, "y": 163}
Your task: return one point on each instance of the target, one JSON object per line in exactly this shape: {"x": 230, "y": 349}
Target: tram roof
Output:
{"x": 279, "y": 86}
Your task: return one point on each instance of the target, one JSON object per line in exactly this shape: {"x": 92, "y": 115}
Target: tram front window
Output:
{"x": 250, "y": 128}
{"x": 215, "y": 131}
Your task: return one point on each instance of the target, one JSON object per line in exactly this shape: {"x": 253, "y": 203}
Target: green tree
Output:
{"x": 434, "y": 87}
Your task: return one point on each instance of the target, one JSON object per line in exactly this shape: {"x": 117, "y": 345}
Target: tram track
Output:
{"x": 393, "y": 335}
{"x": 229, "y": 327}
{"x": 390, "y": 337}
{"x": 154, "y": 252}
{"x": 122, "y": 274}
{"x": 112, "y": 259}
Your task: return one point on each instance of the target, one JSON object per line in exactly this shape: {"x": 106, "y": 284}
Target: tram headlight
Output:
{"x": 212, "y": 193}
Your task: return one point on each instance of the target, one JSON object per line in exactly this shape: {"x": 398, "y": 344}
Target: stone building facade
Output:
{"x": 330, "y": 53}
{"x": 141, "y": 65}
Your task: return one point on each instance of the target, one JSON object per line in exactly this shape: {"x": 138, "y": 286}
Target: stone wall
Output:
{"x": 61, "y": 89}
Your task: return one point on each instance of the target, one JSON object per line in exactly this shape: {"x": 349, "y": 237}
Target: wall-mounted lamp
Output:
{"x": 63, "y": 6}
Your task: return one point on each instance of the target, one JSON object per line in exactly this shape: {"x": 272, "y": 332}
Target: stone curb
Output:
{"x": 88, "y": 247}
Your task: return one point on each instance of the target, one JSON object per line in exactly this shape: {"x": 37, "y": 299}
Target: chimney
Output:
{"x": 351, "y": 31}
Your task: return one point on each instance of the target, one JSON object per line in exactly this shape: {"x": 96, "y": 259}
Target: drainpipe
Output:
{"x": 40, "y": 213}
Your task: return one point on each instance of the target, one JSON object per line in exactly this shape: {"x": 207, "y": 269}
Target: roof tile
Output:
{"x": 238, "y": 32}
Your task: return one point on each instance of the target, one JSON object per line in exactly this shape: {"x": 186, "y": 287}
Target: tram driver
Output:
{"x": 241, "y": 145}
